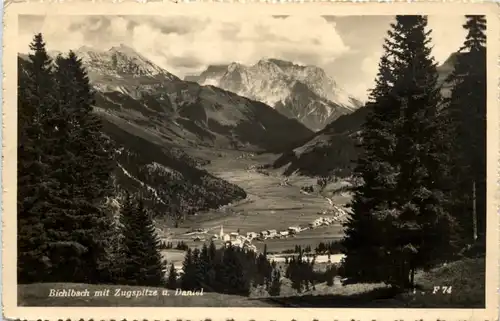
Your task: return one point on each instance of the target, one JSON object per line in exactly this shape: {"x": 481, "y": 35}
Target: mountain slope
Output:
{"x": 333, "y": 150}
{"x": 148, "y": 161}
{"x": 169, "y": 179}
{"x": 299, "y": 92}
{"x": 187, "y": 113}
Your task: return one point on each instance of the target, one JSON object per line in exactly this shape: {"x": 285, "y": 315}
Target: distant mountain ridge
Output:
{"x": 305, "y": 93}
{"x": 153, "y": 117}
{"x": 333, "y": 149}
{"x": 131, "y": 87}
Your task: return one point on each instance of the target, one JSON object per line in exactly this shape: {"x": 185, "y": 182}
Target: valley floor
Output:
{"x": 273, "y": 202}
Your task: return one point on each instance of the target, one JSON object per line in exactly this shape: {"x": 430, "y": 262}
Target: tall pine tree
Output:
{"x": 467, "y": 109}
{"x": 77, "y": 225}
{"x": 374, "y": 199}
{"x": 423, "y": 229}
{"x": 35, "y": 186}
{"x": 189, "y": 271}
{"x": 400, "y": 220}
{"x": 143, "y": 263}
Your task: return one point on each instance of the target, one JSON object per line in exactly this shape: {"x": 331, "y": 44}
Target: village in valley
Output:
{"x": 245, "y": 241}
{"x": 327, "y": 213}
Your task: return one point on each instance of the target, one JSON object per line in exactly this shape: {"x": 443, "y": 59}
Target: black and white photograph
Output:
{"x": 276, "y": 161}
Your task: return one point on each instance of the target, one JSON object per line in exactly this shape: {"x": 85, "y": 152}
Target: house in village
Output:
{"x": 250, "y": 247}
{"x": 294, "y": 229}
{"x": 284, "y": 233}
{"x": 272, "y": 233}
{"x": 264, "y": 234}
{"x": 233, "y": 236}
{"x": 252, "y": 235}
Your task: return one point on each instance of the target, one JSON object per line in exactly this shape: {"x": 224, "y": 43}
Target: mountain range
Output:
{"x": 333, "y": 149}
{"x": 153, "y": 116}
{"x": 300, "y": 92}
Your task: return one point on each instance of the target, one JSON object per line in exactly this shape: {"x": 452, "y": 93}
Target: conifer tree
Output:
{"x": 275, "y": 288}
{"x": 204, "y": 267}
{"x": 117, "y": 250}
{"x": 467, "y": 109}
{"x": 82, "y": 163}
{"x": 423, "y": 230}
{"x": 212, "y": 264}
{"x": 172, "y": 277}
{"x": 143, "y": 263}
{"x": 374, "y": 198}
{"x": 189, "y": 271}
{"x": 35, "y": 102}
{"x": 400, "y": 220}
{"x": 234, "y": 278}
{"x": 199, "y": 276}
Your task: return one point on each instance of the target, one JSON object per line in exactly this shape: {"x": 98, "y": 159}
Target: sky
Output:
{"x": 348, "y": 48}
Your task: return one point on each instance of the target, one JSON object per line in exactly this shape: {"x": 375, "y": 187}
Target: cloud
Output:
{"x": 348, "y": 48}
{"x": 186, "y": 44}
{"x": 368, "y": 72}
{"x": 448, "y": 35}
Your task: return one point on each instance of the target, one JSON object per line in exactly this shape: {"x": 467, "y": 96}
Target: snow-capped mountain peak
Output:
{"x": 120, "y": 60}
{"x": 298, "y": 91}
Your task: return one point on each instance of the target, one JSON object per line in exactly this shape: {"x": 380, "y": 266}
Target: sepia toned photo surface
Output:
{"x": 339, "y": 161}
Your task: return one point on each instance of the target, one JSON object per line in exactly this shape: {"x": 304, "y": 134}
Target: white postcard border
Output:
{"x": 9, "y": 255}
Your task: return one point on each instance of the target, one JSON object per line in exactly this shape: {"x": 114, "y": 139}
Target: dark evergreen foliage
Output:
{"x": 467, "y": 110}
{"x": 64, "y": 172}
{"x": 226, "y": 270}
{"x": 35, "y": 100}
{"x": 143, "y": 263}
{"x": 84, "y": 167}
{"x": 275, "y": 288}
{"x": 333, "y": 247}
{"x": 401, "y": 218}
{"x": 172, "y": 281}
{"x": 189, "y": 271}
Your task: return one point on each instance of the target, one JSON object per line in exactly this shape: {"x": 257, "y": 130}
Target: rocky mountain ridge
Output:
{"x": 333, "y": 149}
{"x": 300, "y": 92}
{"x": 153, "y": 117}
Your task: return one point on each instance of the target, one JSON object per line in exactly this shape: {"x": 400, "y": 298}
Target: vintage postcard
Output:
{"x": 250, "y": 161}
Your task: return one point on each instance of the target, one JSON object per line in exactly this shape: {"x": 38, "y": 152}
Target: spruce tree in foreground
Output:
{"x": 63, "y": 174}
{"x": 143, "y": 262}
{"x": 82, "y": 162}
{"x": 374, "y": 199}
{"x": 34, "y": 184}
{"x": 401, "y": 220}
{"x": 423, "y": 229}
{"x": 467, "y": 109}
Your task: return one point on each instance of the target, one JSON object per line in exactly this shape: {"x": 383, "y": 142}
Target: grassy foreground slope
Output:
{"x": 37, "y": 294}
{"x": 466, "y": 277}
